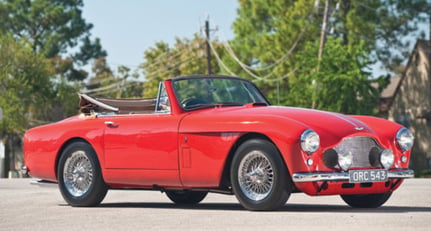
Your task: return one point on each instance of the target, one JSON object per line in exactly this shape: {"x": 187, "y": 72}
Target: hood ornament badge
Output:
{"x": 359, "y": 128}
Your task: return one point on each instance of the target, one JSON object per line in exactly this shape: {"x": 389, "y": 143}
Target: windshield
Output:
{"x": 202, "y": 92}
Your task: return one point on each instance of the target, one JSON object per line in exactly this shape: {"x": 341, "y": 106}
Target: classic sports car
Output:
{"x": 218, "y": 134}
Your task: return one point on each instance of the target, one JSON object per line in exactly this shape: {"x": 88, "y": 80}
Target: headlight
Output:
{"x": 404, "y": 139}
{"x": 310, "y": 141}
{"x": 387, "y": 158}
{"x": 345, "y": 160}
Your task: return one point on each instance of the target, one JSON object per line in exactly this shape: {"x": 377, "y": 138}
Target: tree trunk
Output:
{"x": 346, "y": 9}
{"x": 6, "y": 157}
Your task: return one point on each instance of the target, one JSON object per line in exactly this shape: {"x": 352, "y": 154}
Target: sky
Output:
{"x": 127, "y": 28}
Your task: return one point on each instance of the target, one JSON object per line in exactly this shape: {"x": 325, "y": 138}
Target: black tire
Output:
{"x": 259, "y": 177}
{"x": 366, "y": 200}
{"x": 79, "y": 176}
{"x": 186, "y": 197}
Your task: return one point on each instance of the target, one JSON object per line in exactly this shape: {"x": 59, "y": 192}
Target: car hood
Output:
{"x": 329, "y": 122}
{"x": 323, "y": 122}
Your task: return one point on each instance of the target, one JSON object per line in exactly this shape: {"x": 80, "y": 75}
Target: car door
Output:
{"x": 145, "y": 142}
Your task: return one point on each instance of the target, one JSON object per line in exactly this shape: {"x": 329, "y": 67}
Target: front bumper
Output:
{"x": 344, "y": 176}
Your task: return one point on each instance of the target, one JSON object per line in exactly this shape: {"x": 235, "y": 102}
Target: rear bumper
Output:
{"x": 24, "y": 170}
{"x": 344, "y": 176}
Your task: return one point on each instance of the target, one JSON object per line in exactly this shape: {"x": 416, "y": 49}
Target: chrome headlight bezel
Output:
{"x": 310, "y": 141}
{"x": 404, "y": 139}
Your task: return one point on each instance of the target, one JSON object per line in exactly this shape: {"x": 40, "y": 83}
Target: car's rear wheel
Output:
{"x": 186, "y": 197}
{"x": 79, "y": 176}
{"x": 259, "y": 178}
{"x": 366, "y": 200}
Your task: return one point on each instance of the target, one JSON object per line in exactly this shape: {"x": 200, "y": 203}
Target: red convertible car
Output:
{"x": 218, "y": 134}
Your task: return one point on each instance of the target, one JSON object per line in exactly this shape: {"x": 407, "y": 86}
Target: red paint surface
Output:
{"x": 191, "y": 149}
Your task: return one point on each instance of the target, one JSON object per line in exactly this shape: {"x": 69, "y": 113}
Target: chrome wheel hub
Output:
{"x": 255, "y": 176}
{"x": 78, "y": 173}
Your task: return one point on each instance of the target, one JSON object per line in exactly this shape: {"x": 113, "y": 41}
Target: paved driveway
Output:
{"x": 27, "y": 207}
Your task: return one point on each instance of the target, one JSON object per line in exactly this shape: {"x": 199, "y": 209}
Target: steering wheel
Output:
{"x": 192, "y": 101}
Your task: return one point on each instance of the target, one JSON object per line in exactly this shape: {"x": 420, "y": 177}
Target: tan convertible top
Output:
{"x": 88, "y": 105}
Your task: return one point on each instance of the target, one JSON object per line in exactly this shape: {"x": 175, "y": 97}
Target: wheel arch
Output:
{"x": 225, "y": 179}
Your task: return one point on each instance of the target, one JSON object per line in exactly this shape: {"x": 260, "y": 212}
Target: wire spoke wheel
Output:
{"x": 259, "y": 177}
{"x": 78, "y": 174}
{"x": 255, "y": 176}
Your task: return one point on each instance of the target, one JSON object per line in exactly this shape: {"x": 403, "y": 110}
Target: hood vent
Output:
{"x": 261, "y": 104}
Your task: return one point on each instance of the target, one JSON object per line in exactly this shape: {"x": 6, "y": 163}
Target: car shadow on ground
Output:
{"x": 287, "y": 208}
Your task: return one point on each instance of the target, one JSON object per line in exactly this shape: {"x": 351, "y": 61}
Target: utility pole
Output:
{"x": 323, "y": 32}
{"x": 207, "y": 34}
{"x": 322, "y": 45}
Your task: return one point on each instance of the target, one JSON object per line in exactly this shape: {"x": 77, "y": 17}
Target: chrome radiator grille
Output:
{"x": 361, "y": 148}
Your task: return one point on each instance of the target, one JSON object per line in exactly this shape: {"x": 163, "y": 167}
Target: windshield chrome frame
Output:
{"x": 214, "y": 77}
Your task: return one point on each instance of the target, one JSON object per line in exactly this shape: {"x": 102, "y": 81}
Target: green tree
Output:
{"x": 270, "y": 36}
{"x": 341, "y": 85}
{"x": 109, "y": 84}
{"x": 186, "y": 57}
{"x": 52, "y": 29}
{"x": 44, "y": 45}
{"x": 24, "y": 84}
{"x": 386, "y": 26}
{"x": 25, "y": 87}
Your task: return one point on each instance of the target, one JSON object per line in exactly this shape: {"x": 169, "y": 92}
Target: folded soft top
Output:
{"x": 88, "y": 105}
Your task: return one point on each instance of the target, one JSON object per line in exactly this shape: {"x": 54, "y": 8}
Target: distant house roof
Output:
{"x": 388, "y": 94}
{"x": 420, "y": 46}
{"x": 389, "y": 91}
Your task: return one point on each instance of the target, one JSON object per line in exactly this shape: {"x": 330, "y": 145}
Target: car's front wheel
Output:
{"x": 186, "y": 197}
{"x": 259, "y": 178}
{"x": 366, "y": 200}
{"x": 79, "y": 176}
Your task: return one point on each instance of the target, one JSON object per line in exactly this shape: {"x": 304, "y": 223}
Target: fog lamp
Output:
{"x": 345, "y": 160}
{"x": 387, "y": 158}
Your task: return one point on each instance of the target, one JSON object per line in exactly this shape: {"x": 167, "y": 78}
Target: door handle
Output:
{"x": 111, "y": 124}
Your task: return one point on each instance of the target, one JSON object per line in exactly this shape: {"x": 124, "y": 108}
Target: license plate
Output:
{"x": 368, "y": 175}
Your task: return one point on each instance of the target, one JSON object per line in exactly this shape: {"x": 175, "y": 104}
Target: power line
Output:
{"x": 220, "y": 62}
{"x": 249, "y": 69}
{"x": 125, "y": 85}
{"x": 172, "y": 66}
{"x": 159, "y": 59}
{"x": 116, "y": 84}
{"x": 276, "y": 62}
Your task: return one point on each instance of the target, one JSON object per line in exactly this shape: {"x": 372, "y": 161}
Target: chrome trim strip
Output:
{"x": 358, "y": 125}
{"x": 44, "y": 183}
{"x": 344, "y": 176}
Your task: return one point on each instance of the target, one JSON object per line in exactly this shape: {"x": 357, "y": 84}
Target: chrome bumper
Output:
{"x": 344, "y": 176}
